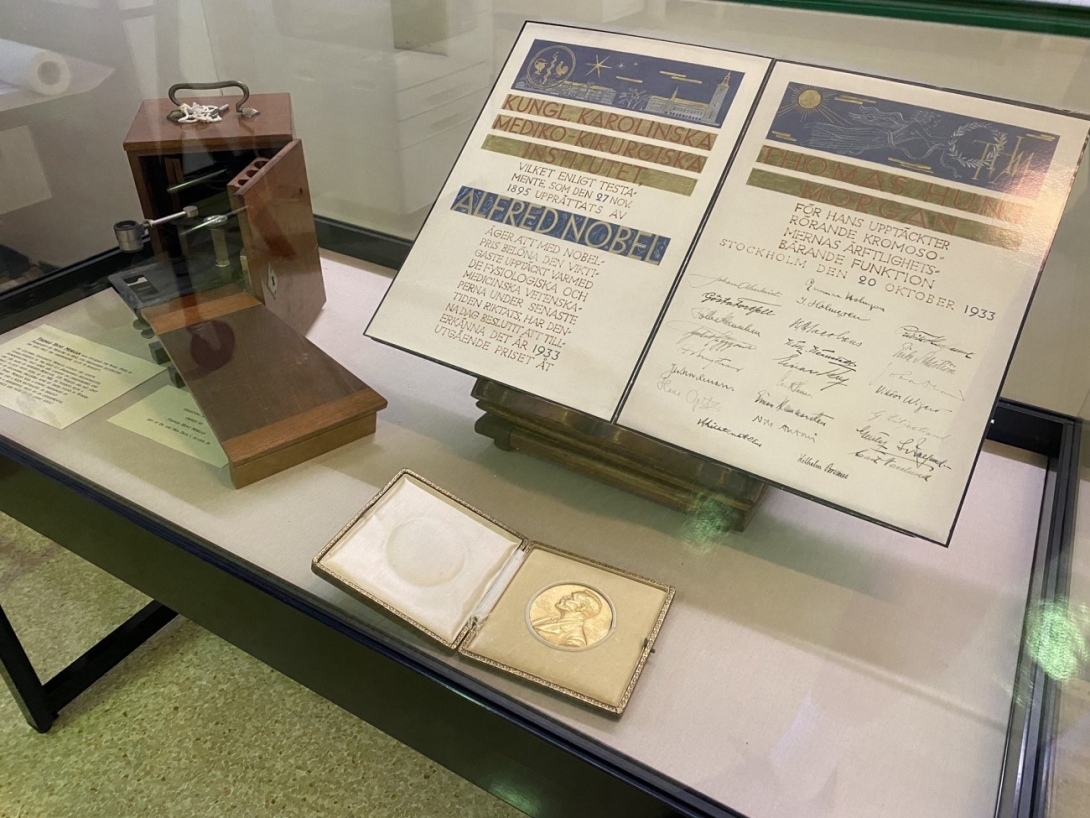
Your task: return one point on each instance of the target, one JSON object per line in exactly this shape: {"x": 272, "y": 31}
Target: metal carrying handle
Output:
{"x": 247, "y": 113}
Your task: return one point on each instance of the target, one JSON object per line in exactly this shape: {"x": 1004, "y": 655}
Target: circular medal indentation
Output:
{"x": 809, "y": 98}
{"x": 570, "y": 616}
{"x": 425, "y": 553}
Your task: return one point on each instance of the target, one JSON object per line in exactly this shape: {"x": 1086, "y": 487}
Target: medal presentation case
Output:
{"x": 573, "y": 625}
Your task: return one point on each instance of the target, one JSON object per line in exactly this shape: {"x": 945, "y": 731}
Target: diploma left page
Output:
{"x": 556, "y": 238}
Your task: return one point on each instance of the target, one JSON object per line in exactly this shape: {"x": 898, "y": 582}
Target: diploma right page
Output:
{"x": 848, "y": 315}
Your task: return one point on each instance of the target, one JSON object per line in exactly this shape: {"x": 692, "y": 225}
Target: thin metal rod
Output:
{"x": 196, "y": 180}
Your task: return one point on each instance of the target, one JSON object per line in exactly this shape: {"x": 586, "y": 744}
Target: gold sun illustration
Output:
{"x": 807, "y": 101}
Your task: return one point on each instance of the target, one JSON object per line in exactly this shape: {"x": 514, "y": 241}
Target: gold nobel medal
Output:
{"x": 570, "y": 616}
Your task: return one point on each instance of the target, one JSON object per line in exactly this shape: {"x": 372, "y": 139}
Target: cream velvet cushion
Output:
{"x": 423, "y": 554}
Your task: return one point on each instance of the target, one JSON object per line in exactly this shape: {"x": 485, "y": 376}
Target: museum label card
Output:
{"x": 565, "y": 221}
{"x": 849, "y": 312}
{"x": 171, "y": 417}
{"x": 57, "y": 378}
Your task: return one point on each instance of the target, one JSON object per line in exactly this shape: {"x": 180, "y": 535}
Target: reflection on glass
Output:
{"x": 707, "y": 525}
{"x": 383, "y": 94}
{"x": 1056, "y": 638}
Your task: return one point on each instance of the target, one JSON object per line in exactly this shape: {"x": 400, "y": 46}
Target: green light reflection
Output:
{"x": 513, "y": 795}
{"x": 707, "y": 525}
{"x": 1056, "y": 638}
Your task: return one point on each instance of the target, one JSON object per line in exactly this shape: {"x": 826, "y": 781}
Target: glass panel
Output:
{"x": 388, "y": 99}
{"x": 1064, "y": 653}
{"x": 814, "y": 665}
{"x": 384, "y": 93}
{"x": 72, "y": 75}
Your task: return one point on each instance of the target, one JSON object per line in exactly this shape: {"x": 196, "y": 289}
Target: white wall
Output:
{"x": 147, "y": 45}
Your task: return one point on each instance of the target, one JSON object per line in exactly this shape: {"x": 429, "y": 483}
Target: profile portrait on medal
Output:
{"x": 570, "y": 616}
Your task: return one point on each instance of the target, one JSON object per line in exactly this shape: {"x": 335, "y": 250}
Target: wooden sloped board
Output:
{"x": 272, "y": 398}
{"x": 272, "y": 199}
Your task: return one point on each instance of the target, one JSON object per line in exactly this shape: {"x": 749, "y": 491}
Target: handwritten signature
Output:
{"x": 914, "y": 333}
{"x": 698, "y": 281}
{"x": 910, "y": 377}
{"x": 907, "y": 424}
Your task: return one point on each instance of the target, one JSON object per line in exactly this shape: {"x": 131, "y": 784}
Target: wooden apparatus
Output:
{"x": 255, "y": 170}
{"x": 234, "y": 330}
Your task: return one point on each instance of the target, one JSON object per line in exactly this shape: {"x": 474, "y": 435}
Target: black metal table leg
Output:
{"x": 41, "y": 703}
{"x": 22, "y": 679}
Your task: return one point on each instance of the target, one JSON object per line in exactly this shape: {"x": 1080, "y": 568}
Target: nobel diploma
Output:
{"x": 840, "y": 325}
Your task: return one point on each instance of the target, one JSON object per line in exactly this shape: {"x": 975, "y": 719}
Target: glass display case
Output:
{"x": 189, "y": 385}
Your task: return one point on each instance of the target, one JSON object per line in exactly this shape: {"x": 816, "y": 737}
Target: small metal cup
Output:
{"x": 130, "y": 236}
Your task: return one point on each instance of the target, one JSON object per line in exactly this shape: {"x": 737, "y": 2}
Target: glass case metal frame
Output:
{"x": 511, "y": 730}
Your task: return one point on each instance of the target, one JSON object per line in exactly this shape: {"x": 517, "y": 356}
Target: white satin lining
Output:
{"x": 361, "y": 556}
{"x": 499, "y": 585}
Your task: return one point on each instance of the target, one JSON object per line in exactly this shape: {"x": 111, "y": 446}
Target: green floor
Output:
{"x": 188, "y": 725}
